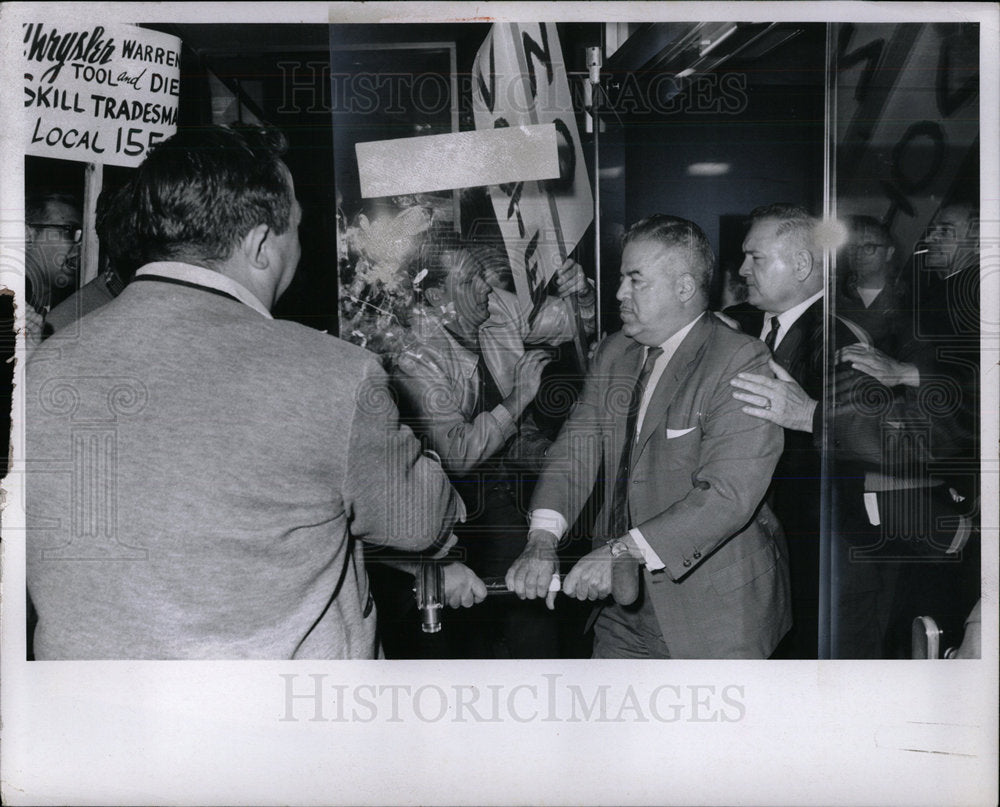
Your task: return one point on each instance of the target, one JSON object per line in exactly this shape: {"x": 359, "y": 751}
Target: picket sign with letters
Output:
{"x": 99, "y": 93}
{"x": 519, "y": 78}
{"x": 906, "y": 119}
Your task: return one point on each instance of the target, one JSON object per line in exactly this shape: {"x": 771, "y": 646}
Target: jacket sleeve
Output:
{"x": 435, "y": 411}
{"x": 394, "y": 493}
{"x": 555, "y": 322}
{"x": 503, "y": 337}
{"x": 575, "y": 458}
{"x": 737, "y": 457}
{"x": 903, "y": 430}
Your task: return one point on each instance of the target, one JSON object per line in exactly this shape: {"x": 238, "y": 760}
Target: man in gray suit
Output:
{"x": 684, "y": 471}
{"x": 199, "y": 473}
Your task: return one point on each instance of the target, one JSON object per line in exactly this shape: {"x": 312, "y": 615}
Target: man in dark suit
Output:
{"x": 783, "y": 271}
{"x": 692, "y": 470}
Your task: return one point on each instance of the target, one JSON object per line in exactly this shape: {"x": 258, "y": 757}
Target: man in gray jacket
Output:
{"x": 200, "y": 474}
{"x": 686, "y": 501}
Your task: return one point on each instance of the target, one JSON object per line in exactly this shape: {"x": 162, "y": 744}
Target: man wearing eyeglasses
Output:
{"x": 118, "y": 262}
{"x": 52, "y": 249}
{"x": 934, "y": 374}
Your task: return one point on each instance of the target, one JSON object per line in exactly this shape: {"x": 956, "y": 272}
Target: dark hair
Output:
{"x": 202, "y": 190}
{"x": 674, "y": 232}
{"x": 113, "y": 223}
{"x": 36, "y": 205}
{"x": 970, "y": 210}
{"x": 793, "y": 219}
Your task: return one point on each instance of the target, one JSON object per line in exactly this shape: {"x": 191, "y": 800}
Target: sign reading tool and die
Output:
{"x": 99, "y": 93}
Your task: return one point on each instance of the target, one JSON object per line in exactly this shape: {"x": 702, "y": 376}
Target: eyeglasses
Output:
{"x": 71, "y": 230}
{"x": 868, "y": 249}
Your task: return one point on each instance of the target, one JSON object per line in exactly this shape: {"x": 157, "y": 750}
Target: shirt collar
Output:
{"x": 670, "y": 346}
{"x": 788, "y": 318}
{"x": 200, "y": 276}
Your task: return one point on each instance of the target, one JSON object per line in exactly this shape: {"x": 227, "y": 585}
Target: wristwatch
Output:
{"x": 618, "y": 548}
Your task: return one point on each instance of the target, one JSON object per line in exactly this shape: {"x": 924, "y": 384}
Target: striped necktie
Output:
{"x": 772, "y": 335}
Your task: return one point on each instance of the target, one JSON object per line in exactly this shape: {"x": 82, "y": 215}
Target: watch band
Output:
{"x": 618, "y": 547}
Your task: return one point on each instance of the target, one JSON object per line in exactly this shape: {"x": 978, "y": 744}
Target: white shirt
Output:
{"x": 200, "y": 276}
{"x": 786, "y": 319}
{"x": 555, "y": 522}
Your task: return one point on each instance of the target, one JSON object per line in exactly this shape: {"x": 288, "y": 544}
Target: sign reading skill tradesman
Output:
{"x": 99, "y": 93}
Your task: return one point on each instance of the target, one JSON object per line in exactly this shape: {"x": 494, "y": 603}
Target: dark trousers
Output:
{"x": 801, "y": 528}
{"x": 630, "y": 631}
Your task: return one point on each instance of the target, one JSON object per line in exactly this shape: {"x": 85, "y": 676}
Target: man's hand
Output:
{"x": 570, "y": 279}
{"x": 527, "y": 379}
{"x": 462, "y": 587}
{"x": 883, "y": 368}
{"x": 590, "y": 578}
{"x": 530, "y": 576}
{"x": 780, "y": 400}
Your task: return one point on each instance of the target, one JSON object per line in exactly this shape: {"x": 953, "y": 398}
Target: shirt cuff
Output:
{"x": 508, "y": 428}
{"x": 548, "y": 520}
{"x": 653, "y": 562}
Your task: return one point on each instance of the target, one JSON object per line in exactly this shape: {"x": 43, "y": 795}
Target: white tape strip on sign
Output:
{"x": 461, "y": 160}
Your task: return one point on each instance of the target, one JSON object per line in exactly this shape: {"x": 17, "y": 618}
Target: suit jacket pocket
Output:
{"x": 745, "y": 570}
{"x": 681, "y": 444}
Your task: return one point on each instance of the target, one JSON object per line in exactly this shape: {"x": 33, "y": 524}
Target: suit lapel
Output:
{"x": 675, "y": 375}
{"x": 749, "y": 318}
{"x": 794, "y": 351}
{"x": 628, "y": 370}
{"x": 624, "y": 373}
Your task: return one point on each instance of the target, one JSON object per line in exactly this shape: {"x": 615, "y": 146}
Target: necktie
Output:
{"x": 619, "y": 505}
{"x": 772, "y": 335}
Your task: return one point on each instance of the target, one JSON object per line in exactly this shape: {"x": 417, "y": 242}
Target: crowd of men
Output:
{"x": 209, "y": 482}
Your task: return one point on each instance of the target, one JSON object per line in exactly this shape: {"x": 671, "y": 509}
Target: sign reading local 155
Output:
{"x": 99, "y": 93}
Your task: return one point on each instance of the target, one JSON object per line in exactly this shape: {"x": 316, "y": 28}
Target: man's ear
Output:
{"x": 889, "y": 252}
{"x": 803, "y": 264}
{"x": 686, "y": 287}
{"x": 255, "y": 246}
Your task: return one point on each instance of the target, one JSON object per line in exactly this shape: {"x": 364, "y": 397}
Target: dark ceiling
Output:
{"x": 769, "y": 54}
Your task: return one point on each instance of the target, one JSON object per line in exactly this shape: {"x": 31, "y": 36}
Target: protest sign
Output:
{"x": 906, "y": 119}
{"x": 99, "y": 93}
{"x": 519, "y": 78}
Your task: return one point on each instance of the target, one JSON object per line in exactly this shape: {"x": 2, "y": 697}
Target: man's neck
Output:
{"x": 259, "y": 284}
{"x": 686, "y": 324}
{"x": 793, "y": 313}
{"x": 801, "y": 303}
{"x": 873, "y": 281}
